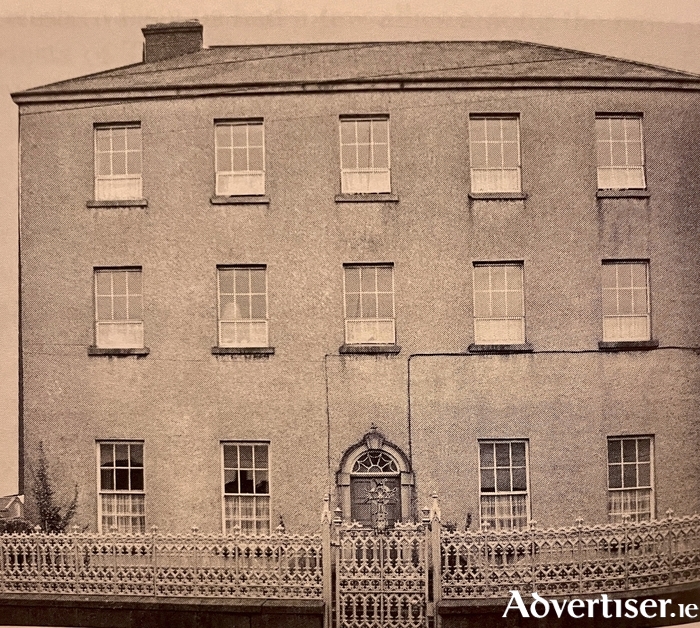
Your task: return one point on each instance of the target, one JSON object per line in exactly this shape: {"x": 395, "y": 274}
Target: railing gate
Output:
{"x": 381, "y": 577}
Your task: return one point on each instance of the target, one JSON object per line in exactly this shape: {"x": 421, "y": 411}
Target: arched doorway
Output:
{"x": 374, "y": 466}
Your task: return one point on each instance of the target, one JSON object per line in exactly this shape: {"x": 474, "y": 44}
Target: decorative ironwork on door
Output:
{"x": 381, "y": 577}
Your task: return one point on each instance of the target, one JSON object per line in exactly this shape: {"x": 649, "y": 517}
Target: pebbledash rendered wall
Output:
{"x": 308, "y": 401}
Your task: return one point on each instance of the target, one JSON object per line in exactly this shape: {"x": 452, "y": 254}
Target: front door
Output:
{"x": 364, "y": 509}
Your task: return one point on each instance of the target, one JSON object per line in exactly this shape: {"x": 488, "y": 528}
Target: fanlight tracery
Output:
{"x": 375, "y": 461}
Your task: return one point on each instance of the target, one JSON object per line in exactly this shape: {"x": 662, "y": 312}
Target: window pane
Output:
{"x": 503, "y": 480}
{"x": 624, "y": 299}
{"x": 240, "y": 159}
{"x": 133, "y": 163}
{"x": 118, "y": 139}
{"x": 478, "y": 155}
{"x": 119, "y": 281}
{"x": 369, "y": 305}
{"x": 482, "y": 306}
{"x": 617, "y": 128}
{"x": 604, "y": 155}
{"x": 644, "y": 471}
{"x": 614, "y": 451}
{"x": 514, "y": 302}
{"x": 137, "y": 479}
{"x": 349, "y": 156}
{"x": 363, "y": 156}
{"x": 486, "y": 454}
{"x": 477, "y": 129}
{"x": 514, "y": 277}
{"x": 629, "y": 450}
{"x": 134, "y": 282}
{"x": 104, "y": 308}
{"x": 493, "y": 129}
{"x": 639, "y": 275}
{"x": 502, "y": 454}
{"x": 488, "y": 482}
{"x": 246, "y": 456}
{"x": 347, "y": 132}
{"x": 136, "y": 455}
{"x": 363, "y": 132}
{"x": 519, "y": 479}
{"x": 602, "y": 129}
{"x": 385, "y": 306}
{"x": 381, "y": 156}
{"x": 498, "y": 277}
{"x": 119, "y": 304}
{"x": 258, "y": 307}
{"x": 634, "y": 154}
{"x": 609, "y": 302}
{"x": 352, "y": 306}
{"x": 615, "y": 476}
{"x": 518, "y": 454}
{"x": 103, "y": 140}
{"x": 644, "y": 449}
{"x": 510, "y": 155}
{"x": 226, "y": 280}
{"x": 255, "y": 134}
{"x": 230, "y": 456}
{"x": 380, "y": 130}
{"x": 224, "y": 161}
{"x": 247, "y": 483}
{"x": 121, "y": 455}
{"x": 231, "y": 481}
{"x": 510, "y": 130}
{"x": 261, "y": 485}
{"x": 257, "y": 280}
{"x": 122, "y": 479}
{"x": 639, "y": 297}
{"x": 242, "y": 277}
{"x": 240, "y": 135}
{"x": 633, "y": 129}
{"x": 135, "y": 308}
{"x": 256, "y": 159}
{"x": 106, "y": 455}
{"x": 243, "y": 306}
{"x": 223, "y": 135}
{"x": 481, "y": 278}
{"x": 119, "y": 163}
{"x": 261, "y": 456}
{"x": 498, "y": 304}
{"x": 227, "y": 307}
{"x": 629, "y": 475}
{"x": 104, "y": 164}
{"x": 618, "y": 154}
{"x": 106, "y": 480}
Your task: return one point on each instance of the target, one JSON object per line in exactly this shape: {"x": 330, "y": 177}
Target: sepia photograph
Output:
{"x": 350, "y": 315}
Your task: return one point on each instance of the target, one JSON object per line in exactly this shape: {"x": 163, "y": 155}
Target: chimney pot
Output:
{"x": 165, "y": 41}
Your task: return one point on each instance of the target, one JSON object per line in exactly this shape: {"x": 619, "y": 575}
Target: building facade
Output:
{"x": 255, "y": 275}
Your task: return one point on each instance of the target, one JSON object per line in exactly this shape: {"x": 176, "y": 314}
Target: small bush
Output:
{"x": 16, "y": 525}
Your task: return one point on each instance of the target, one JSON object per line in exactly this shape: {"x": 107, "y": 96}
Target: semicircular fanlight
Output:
{"x": 374, "y": 461}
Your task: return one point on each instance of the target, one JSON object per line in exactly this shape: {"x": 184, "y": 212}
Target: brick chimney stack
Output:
{"x": 164, "y": 41}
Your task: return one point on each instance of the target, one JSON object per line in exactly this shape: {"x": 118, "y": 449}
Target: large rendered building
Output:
{"x": 254, "y": 275}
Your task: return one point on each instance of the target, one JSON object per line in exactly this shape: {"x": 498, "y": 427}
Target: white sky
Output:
{"x": 43, "y": 41}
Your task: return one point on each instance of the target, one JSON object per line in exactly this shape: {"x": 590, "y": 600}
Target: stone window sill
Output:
{"x": 369, "y": 349}
{"x": 108, "y": 351}
{"x": 367, "y": 198}
{"x": 629, "y": 345}
{"x": 240, "y": 200}
{"x": 243, "y": 350}
{"x": 623, "y": 194}
{"x": 133, "y": 202}
{"x": 497, "y": 196}
{"x": 524, "y": 347}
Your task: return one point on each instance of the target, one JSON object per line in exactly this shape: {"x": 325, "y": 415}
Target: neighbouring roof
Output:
{"x": 7, "y": 500}
{"x": 323, "y": 66}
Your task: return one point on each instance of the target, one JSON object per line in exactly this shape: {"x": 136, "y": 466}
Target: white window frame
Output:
{"x": 117, "y": 187}
{"x": 628, "y": 492}
{"x": 134, "y": 337}
{"x": 619, "y": 176}
{"x": 242, "y": 324}
{"x": 239, "y": 182}
{"x": 484, "y": 325}
{"x": 236, "y": 526}
{"x": 102, "y": 493}
{"x": 613, "y": 323}
{"x": 509, "y": 495}
{"x": 496, "y": 178}
{"x": 374, "y": 330}
{"x": 355, "y": 179}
